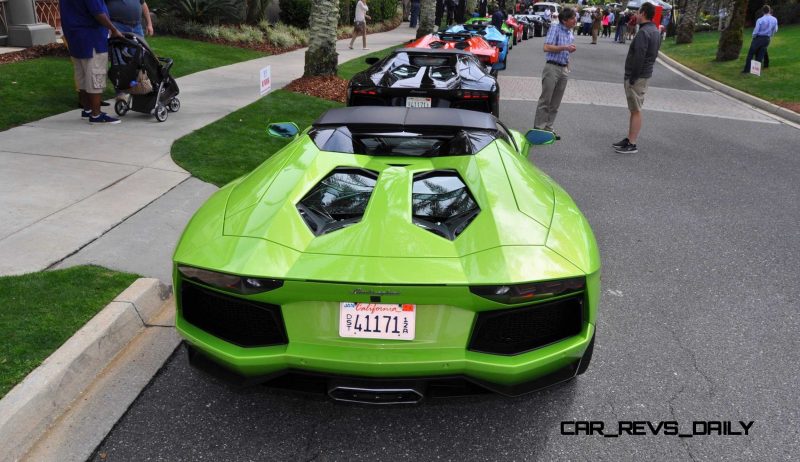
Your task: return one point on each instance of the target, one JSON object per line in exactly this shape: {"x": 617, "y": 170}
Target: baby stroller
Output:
{"x": 136, "y": 70}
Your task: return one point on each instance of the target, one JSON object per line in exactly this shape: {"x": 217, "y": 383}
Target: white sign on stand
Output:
{"x": 755, "y": 67}
{"x": 266, "y": 81}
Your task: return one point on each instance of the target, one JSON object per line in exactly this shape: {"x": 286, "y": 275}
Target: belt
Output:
{"x": 767, "y": 36}
{"x": 556, "y": 63}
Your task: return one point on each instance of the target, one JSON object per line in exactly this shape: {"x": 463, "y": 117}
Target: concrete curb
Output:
{"x": 732, "y": 92}
{"x": 33, "y": 405}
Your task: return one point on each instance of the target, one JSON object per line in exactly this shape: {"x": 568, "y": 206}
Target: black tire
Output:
{"x": 587, "y": 358}
{"x": 161, "y": 112}
{"x": 121, "y": 108}
{"x": 174, "y": 105}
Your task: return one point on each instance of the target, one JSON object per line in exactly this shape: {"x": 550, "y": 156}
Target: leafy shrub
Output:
{"x": 379, "y": 10}
{"x": 280, "y": 38}
{"x": 295, "y": 12}
{"x": 206, "y": 11}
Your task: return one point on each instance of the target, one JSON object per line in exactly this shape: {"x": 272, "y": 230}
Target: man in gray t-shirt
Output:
{"x": 127, "y": 16}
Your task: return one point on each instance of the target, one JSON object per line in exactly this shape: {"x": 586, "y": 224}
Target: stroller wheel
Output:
{"x": 174, "y": 105}
{"x": 121, "y": 108}
{"x": 161, "y": 112}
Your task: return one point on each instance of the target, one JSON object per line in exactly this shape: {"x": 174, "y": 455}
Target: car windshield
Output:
{"x": 408, "y": 142}
{"x": 542, "y": 8}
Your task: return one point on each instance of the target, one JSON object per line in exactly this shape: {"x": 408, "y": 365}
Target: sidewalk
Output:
{"x": 65, "y": 184}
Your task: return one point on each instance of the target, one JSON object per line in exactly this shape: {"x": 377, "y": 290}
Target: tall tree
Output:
{"x": 321, "y": 56}
{"x": 730, "y": 41}
{"x": 685, "y": 32}
{"x": 427, "y": 9}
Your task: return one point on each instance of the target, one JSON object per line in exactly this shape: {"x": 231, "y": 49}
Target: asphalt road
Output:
{"x": 698, "y": 321}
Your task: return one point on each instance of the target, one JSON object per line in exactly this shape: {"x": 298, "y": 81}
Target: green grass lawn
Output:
{"x": 40, "y": 311}
{"x": 779, "y": 84}
{"x": 238, "y": 143}
{"x": 37, "y": 88}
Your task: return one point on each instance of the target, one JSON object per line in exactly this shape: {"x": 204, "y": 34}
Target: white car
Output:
{"x": 546, "y": 10}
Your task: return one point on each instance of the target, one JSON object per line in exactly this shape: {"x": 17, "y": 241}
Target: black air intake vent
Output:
{"x": 235, "y": 320}
{"x": 442, "y": 203}
{"x": 518, "y": 330}
{"x": 337, "y": 201}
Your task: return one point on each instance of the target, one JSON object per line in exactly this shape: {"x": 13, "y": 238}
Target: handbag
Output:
{"x": 143, "y": 85}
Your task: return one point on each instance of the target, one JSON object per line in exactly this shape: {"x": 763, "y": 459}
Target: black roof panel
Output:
{"x": 408, "y": 117}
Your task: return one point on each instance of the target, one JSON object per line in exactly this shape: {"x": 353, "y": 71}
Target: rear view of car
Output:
{"x": 422, "y": 78}
{"x": 463, "y": 40}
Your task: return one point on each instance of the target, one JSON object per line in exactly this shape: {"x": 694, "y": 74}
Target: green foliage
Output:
{"x": 40, "y": 311}
{"x": 379, "y": 10}
{"x": 207, "y": 11}
{"x": 787, "y": 13}
{"x": 295, "y": 12}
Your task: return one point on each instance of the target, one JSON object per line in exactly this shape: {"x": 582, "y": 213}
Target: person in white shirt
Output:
{"x": 360, "y": 23}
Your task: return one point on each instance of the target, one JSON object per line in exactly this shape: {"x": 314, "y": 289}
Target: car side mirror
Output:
{"x": 538, "y": 137}
{"x": 371, "y": 60}
{"x": 283, "y": 130}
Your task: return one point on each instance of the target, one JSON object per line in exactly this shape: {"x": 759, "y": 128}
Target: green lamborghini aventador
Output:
{"x": 387, "y": 254}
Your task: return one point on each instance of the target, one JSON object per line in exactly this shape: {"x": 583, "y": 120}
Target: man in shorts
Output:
{"x": 86, "y": 26}
{"x": 638, "y": 69}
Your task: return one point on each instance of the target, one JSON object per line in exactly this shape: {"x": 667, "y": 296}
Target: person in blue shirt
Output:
{"x": 558, "y": 45}
{"x": 86, "y": 25}
{"x": 766, "y": 27}
{"x": 498, "y": 18}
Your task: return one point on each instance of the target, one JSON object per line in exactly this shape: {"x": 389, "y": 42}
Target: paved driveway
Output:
{"x": 698, "y": 320}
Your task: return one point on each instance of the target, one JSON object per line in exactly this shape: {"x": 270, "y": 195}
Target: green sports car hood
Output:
{"x": 265, "y": 205}
{"x": 527, "y": 228}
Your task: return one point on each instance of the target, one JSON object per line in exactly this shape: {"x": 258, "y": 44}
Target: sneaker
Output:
{"x": 85, "y": 113}
{"x": 627, "y": 149}
{"x": 365, "y": 48}
{"x": 621, "y": 144}
{"x": 103, "y": 118}
{"x": 350, "y": 47}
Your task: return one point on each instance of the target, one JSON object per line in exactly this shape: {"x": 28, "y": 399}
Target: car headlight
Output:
{"x": 529, "y": 292}
{"x": 244, "y": 285}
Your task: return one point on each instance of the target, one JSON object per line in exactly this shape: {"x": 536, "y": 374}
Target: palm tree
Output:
{"x": 730, "y": 41}
{"x": 685, "y": 32}
{"x": 427, "y": 9}
{"x": 321, "y": 56}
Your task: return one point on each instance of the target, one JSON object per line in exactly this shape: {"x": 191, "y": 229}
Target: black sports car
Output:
{"x": 426, "y": 78}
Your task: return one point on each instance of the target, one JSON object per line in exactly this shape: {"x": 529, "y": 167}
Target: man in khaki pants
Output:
{"x": 639, "y": 63}
{"x": 558, "y": 45}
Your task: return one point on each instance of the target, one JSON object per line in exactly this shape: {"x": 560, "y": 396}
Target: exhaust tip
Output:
{"x": 362, "y": 395}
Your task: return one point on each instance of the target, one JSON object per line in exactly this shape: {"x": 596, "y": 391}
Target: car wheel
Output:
{"x": 587, "y": 357}
{"x": 525, "y": 34}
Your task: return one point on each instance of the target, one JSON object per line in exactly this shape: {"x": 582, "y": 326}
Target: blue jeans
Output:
{"x": 758, "y": 49}
{"x": 414, "y": 14}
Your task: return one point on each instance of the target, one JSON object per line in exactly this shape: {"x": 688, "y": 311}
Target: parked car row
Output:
{"x": 400, "y": 248}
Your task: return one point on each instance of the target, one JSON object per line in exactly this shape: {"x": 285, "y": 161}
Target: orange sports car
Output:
{"x": 475, "y": 44}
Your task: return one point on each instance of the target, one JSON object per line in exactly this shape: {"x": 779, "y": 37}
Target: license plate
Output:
{"x": 413, "y": 101}
{"x": 389, "y": 321}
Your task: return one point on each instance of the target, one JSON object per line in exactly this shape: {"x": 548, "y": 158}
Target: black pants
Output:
{"x": 758, "y": 50}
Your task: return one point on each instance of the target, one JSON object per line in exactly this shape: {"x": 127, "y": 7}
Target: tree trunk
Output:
{"x": 730, "y": 41}
{"x": 427, "y": 9}
{"x": 253, "y": 11}
{"x": 685, "y": 32}
{"x": 321, "y": 57}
